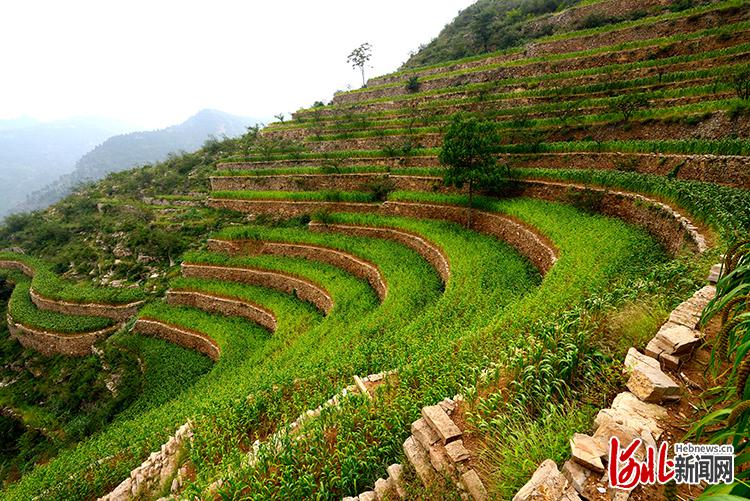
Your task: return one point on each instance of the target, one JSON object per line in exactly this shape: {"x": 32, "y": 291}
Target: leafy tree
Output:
{"x": 412, "y": 85}
{"x": 279, "y": 117}
{"x": 359, "y": 57}
{"x": 741, "y": 82}
{"x": 628, "y": 104}
{"x": 482, "y": 26}
{"x": 469, "y": 153}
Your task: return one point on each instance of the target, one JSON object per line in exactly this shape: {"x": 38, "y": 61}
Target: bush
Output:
{"x": 412, "y": 85}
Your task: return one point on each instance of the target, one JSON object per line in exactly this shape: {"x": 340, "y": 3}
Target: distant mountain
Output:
{"x": 126, "y": 151}
{"x": 32, "y": 153}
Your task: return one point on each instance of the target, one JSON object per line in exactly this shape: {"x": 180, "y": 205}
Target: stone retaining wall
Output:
{"x": 53, "y": 343}
{"x": 526, "y": 241}
{"x": 429, "y": 251}
{"x": 729, "y": 170}
{"x": 674, "y": 231}
{"x": 634, "y": 414}
{"x": 191, "y": 340}
{"x": 118, "y": 312}
{"x": 562, "y": 21}
{"x": 223, "y": 305}
{"x": 317, "y": 182}
{"x": 152, "y": 477}
{"x": 289, "y": 284}
{"x": 351, "y": 264}
{"x": 18, "y": 266}
{"x": 665, "y": 28}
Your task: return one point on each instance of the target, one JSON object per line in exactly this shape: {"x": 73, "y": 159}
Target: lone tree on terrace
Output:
{"x": 359, "y": 57}
{"x": 469, "y": 153}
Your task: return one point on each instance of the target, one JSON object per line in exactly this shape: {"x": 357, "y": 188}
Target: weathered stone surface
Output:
{"x": 457, "y": 452}
{"x": 368, "y": 496}
{"x": 626, "y": 434}
{"x": 547, "y": 484}
{"x": 570, "y": 494}
{"x": 576, "y": 475}
{"x": 647, "y": 381}
{"x": 439, "y": 459}
{"x": 587, "y": 452}
{"x": 715, "y": 273}
{"x": 385, "y": 489}
{"x": 448, "y": 405}
{"x": 633, "y": 421}
{"x": 423, "y": 432}
{"x": 441, "y": 423}
{"x": 420, "y": 461}
{"x": 361, "y": 387}
{"x": 679, "y": 339}
{"x": 395, "y": 473}
{"x": 629, "y": 403}
{"x": 474, "y": 486}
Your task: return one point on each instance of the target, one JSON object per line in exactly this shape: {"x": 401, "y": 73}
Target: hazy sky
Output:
{"x": 153, "y": 63}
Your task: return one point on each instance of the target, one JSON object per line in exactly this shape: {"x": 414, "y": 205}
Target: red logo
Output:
{"x": 626, "y": 472}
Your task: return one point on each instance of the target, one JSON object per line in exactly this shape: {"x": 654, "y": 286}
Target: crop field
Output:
{"x": 534, "y": 354}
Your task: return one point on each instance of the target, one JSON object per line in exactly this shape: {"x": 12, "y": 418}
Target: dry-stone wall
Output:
{"x": 436, "y": 452}
{"x": 429, "y": 251}
{"x": 289, "y": 284}
{"x": 119, "y": 312}
{"x": 179, "y": 335}
{"x": 634, "y": 414}
{"x": 155, "y": 474}
{"x": 227, "y": 306}
{"x": 53, "y": 343}
{"x": 351, "y": 264}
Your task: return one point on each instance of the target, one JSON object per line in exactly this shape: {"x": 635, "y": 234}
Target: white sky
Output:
{"x": 153, "y": 63}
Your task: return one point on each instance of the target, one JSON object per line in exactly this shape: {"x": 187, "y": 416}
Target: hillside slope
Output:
{"x": 32, "y": 153}
{"x": 294, "y": 261}
{"x": 126, "y": 151}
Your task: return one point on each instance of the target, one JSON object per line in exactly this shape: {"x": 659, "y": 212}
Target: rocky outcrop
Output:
{"x": 156, "y": 474}
{"x": 223, "y": 305}
{"x": 192, "y": 340}
{"x": 52, "y": 343}
{"x": 289, "y": 284}
{"x": 354, "y": 265}
{"x": 428, "y": 250}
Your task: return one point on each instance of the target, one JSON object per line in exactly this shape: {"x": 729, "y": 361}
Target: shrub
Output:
{"x": 413, "y": 85}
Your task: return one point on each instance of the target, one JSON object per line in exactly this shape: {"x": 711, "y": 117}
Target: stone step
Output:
{"x": 443, "y": 425}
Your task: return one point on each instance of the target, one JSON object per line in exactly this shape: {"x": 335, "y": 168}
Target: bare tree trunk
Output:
{"x": 363, "y": 75}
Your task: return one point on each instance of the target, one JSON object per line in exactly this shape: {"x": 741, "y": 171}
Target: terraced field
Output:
{"x": 355, "y": 258}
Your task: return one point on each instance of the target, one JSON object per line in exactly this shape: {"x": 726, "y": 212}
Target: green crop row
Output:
{"x": 728, "y": 5}
{"x": 50, "y": 285}
{"x": 579, "y": 33}
{"x": 536, "y": 80}
{"x": 26, "y": 313}
{"x": 322, "y": 196}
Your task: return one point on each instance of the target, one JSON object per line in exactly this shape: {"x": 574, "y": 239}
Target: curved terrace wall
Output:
{"x": 672, "y": 27}
{"x": 429, "y": 251}
{"x": 53, "y": 343}
{"x": 118, "y": 312}
{"x": 223, "y": 305}
{"x": 183, "y": 337}
{"x": 289, "y": 284}
{"x": 526, "y": 241}
{"x": 351, "y": 264}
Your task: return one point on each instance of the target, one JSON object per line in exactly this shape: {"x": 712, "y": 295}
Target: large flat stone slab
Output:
{"x": 587, "y": 452}
{"x": 647, "y": 381}
{"x": 439, "y": 421}
{"x": 547, "y": 484}
{"x": 474, "y": 486}
{"x": 679, "y": 339}
{"x": 423, "y": 432}
{"x": 420, "y": 461}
